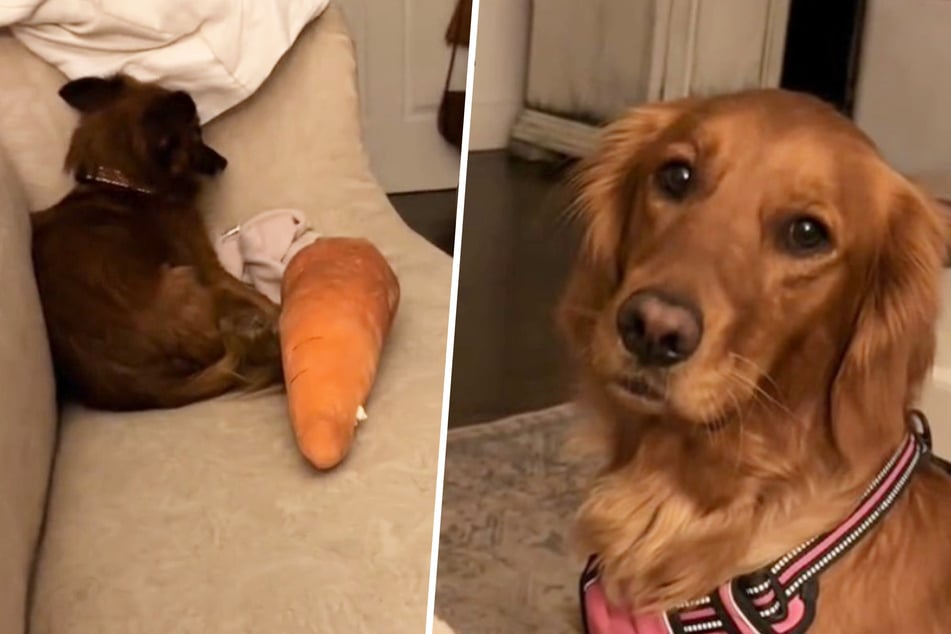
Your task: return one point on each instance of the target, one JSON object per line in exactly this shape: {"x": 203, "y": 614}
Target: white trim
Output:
{"x": 774, "y": 43}
{"x": 660, "y": 37}
{"x": 680, "y": 50}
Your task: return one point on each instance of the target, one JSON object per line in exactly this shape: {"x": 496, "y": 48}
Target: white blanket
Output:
{"x": 258, "y": 251}
{"x": 219, "y": 51}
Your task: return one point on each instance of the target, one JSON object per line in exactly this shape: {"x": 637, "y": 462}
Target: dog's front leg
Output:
{"x": 230, "y": 292}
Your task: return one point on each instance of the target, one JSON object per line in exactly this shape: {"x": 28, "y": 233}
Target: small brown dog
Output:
{"x": 753, "y": 314}
{"x": 140, "y": 313}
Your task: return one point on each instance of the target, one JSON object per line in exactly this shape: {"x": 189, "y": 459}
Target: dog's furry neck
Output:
{"x": 680, "y": 511}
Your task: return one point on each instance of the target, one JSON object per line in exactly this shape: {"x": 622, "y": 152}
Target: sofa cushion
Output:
{"x": 27, "y": 407}
{"x": 206, "y": 519}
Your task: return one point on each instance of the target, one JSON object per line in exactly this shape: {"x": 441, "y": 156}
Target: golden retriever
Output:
{"x": 753, "y": 314}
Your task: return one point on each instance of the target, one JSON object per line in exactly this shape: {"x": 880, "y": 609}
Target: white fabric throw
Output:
{"x": 257, "y": 251}
{"x": 219, "y": 51}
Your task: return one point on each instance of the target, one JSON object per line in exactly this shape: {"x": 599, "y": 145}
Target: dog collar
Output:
{"x": 113, "y": 177}
{"x": 778, "y": 599}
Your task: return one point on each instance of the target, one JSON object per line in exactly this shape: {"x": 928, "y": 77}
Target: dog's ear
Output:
{"x": 893, "y": 341}
{"x": 603, "y": 200}
{"x": 91, "y": 93}
{"x": 175, "y": 108}
{"x": 168, "y": 118}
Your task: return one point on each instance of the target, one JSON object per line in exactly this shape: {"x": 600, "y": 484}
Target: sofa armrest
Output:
{"x": 27, "y": 403}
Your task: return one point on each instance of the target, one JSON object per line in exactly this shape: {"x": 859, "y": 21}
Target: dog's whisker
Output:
{"x": 739, "y": 420}
{"x": 759, "y": 392}
{"x": 759, "y": 371}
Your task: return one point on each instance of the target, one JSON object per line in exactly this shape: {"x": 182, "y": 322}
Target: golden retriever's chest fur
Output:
{"x": 899, "y": 579}
{"x": 663, "y": 553}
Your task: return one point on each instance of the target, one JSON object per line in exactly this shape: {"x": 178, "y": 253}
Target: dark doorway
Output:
{"x": 823, "y": 41}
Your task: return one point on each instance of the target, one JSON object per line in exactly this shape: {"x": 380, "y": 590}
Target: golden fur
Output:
{"x": 798, "y": 391}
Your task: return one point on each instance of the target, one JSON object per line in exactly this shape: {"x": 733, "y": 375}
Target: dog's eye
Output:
{"x": 804, "y": 235}
{"x": 674, "y": 179}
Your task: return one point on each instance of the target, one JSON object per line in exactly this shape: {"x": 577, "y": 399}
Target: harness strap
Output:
{"x": 781, "y": 598}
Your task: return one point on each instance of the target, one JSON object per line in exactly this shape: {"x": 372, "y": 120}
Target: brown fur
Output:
{"x": 139, "y": 311}
{"x": 798, "y": 392}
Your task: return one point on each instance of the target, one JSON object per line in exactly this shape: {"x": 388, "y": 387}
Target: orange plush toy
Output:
{"x": 339, "y": 298}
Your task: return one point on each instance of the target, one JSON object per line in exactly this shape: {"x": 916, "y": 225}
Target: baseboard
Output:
{"x": 555, "y": 134}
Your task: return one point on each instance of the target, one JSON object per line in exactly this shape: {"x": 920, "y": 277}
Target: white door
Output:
{"x": 402, "y": 59}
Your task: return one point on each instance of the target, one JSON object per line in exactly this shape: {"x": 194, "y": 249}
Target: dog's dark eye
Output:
{"x": 675, "y": 179}
{"x": 804, "y": 235}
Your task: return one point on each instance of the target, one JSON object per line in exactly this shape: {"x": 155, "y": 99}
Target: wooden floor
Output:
{"x": 517, "y": 246}
{"x": 430, "y": 214}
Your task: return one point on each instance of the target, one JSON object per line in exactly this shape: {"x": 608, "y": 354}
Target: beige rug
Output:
{"x": 505, "y": 561}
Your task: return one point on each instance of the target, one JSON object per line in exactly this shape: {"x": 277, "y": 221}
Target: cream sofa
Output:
{"x": 206, "y": 519}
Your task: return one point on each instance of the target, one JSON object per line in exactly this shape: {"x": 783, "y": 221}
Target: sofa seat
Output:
{"x": 206, "y": 518}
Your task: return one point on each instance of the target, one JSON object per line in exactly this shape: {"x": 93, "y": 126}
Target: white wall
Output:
{"x": 500, "y": 71}
{"x": 904, "y": 90}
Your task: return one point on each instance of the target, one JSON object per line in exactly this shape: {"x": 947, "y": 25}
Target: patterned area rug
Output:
{"x": 510, "y": 492}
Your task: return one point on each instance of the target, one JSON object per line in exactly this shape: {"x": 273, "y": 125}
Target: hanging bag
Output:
{"x": 452, "y": 108}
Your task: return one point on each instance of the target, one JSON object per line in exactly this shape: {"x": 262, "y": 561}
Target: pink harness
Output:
{"x": 779, "y": 599}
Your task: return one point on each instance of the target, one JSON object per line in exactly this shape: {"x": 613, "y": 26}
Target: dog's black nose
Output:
{"x": 659, "y": 329}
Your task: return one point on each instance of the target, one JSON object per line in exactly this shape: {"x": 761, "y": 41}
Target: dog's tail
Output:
{"x": 247, "y": 364}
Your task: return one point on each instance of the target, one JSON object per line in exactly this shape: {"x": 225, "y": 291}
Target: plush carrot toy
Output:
{"x": 339, "y": 297}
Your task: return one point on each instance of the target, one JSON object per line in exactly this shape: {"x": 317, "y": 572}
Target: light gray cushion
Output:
{"x": 206, "y": 519}
{"x": 27, "y": 406}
